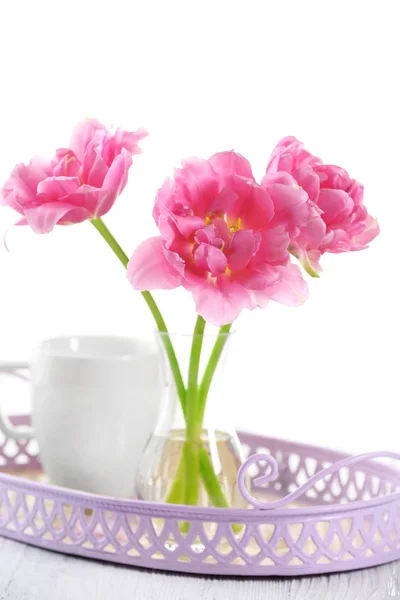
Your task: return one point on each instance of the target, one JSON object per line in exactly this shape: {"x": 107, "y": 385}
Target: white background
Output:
{"x": 203, "y": 77}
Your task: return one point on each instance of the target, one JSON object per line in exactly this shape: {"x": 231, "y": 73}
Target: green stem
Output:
{"x": 210, "y": 369}
{"x": 111, "y": 241}
{"x": 169, "y": 348}
{"x": 210, "y": 480}
{"x": 193, "y": 433}
{"x": 151, "y": 303}
{"x": 213, "y": 486}
{"x": 175, "y": 493}
{"x": 194, "y": 365}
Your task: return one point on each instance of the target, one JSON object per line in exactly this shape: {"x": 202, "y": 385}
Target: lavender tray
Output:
{"x": 323, "y": 512}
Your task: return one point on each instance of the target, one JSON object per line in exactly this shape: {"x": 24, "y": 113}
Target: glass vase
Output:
{"x": 194, "y": 454}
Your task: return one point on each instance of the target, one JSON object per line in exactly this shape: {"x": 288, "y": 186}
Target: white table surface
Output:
{"x": 27, "y": 573}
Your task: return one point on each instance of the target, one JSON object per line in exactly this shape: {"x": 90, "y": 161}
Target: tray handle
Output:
{"x": 274, "y": 470}
{"x": 24, "y": 432}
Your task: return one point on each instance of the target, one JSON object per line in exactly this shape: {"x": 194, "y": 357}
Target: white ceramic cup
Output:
{"x": 94, "y": 404}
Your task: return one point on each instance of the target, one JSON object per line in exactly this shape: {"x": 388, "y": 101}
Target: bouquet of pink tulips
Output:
{"x": 232, "y": 242}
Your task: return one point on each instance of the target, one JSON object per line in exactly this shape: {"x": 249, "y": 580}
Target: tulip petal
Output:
{"x": 252, "y": 279}
{"x": 122, "y": 140}
{"x": 114, "y": 183}
{"x": 200, "y": 184}
{"x": 291, "y": 204}
{"x": 228, "y": 163}
{"x": 290, "y": 289}
{"x": 20, "y": 189}
{"x": 273, "y": 246}
{"x": 68, "y": 165}
{"x": 85, "y": 196}
{"x": 254, "y": 206}
{"x": 94, "y": 166}
{"x": 149, "y": 269}
{"x": 289, "y": 155}
{"x": 211, "y": 259}
{"x": 241, "y": 249}
{"x": 168, "y": 230}
{"x": 209, "y": 235}
{"x": 333, "y": 177}
{"x": 308, "y": 179}
{"x": 44, "y": 217}
{"x": 84, "y": 133}
{"x": 369, "y": 233}
{"x": 187, "y": 225}
{"x": 58, "y": 187}
{"x": 335, "y": 204}
{"x": 314, "y": 231}
{"x": 164, "y": 199}
{"x": 221, "y": 303}
{"x": 223, "y": 203}
{"x": 221, "y": 229}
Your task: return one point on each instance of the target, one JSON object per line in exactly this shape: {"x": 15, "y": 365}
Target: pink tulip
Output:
{"x": 338, "y": 220}
{"x": 81, "y": 182}
{"x": 219, "y": 241}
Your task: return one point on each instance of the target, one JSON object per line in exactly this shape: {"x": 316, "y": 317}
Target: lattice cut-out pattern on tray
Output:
{"x": 319, "y": 538}
{"x": 17, "y": 455}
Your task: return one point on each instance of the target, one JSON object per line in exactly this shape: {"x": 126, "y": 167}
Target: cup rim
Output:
{"x": 140, "y": 348}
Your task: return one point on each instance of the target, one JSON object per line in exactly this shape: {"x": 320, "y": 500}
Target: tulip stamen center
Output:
{"x": 236, "y": 226}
